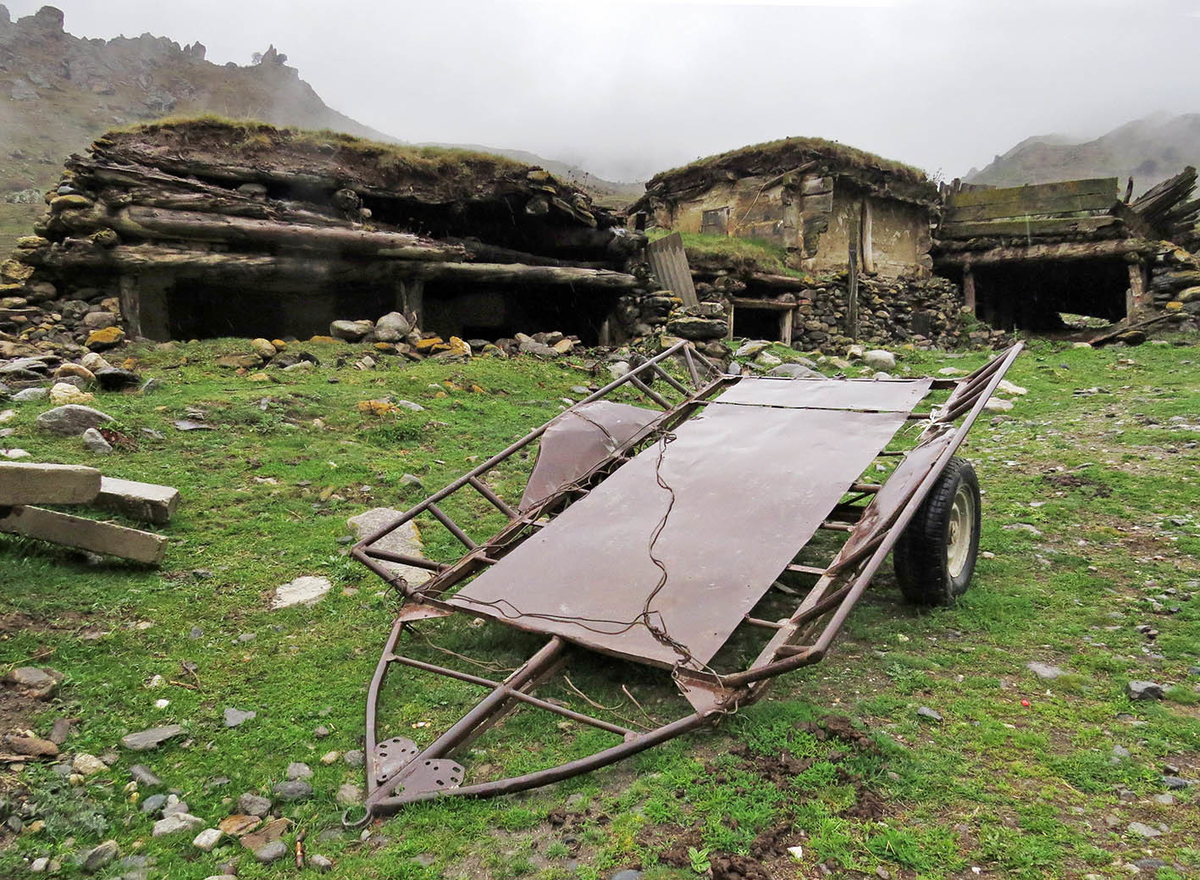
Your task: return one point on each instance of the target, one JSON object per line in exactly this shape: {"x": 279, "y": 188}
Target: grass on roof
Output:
{"x": 814, "y": 146}
{"x": 745, "y": 254}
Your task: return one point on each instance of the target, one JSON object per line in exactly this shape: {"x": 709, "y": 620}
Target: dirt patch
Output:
{"x": 730, "y": 867}
{"x": 1078, "y": 481}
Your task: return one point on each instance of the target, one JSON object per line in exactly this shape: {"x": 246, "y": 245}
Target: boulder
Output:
{"x": 62, "y": 393}
{"x": 71, "y": 420}
{"x": 392, "y": 327}
{"x": 879, "y": 359}
{"x": 351, "y": 331}
{"x": 101, "y": 340}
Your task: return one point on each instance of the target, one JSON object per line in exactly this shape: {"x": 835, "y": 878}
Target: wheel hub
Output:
{"x": 962, "y": 520}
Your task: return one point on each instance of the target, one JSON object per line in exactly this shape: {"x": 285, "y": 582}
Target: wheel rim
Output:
{"x": 962, "y": 521}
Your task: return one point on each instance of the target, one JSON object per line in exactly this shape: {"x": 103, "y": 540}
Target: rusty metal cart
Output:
{"x": 651, "y": 534}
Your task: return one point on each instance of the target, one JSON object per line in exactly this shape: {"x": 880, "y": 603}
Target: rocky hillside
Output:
{"x": 59, "y": 92}
{"x": 1149, "y": 150}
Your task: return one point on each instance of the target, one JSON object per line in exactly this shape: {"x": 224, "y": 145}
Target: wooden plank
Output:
{"x": 1095, "y": 194}
{"x": 968, "y": 286}
{"x": 85, "y": 534}
{"x": 1133, "y": 220}
{"x": 748, "y": 303}
{"x": 1069, "y": 250}
{"x": 868, "y": 250}
{"x": 145, "y": 502}
{"x": 1019, "y": 227}
{"x": 669, "y": 262}
{"x": 38, "y": 483}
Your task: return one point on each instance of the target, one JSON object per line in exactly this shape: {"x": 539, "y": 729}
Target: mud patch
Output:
{"x": 730, "y": 867}
{"x": 1095, "y": 488}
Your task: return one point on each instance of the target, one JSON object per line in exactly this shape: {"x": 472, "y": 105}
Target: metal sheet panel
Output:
{"x": 580, "y": 439}
{"x": 885, "y": 395}
{"x": 751, "y": 485}
{"x": 669, "y": 263}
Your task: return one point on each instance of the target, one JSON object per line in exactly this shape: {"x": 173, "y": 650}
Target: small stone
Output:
{"x": 766, "y": 359}
{"x": 932, "y": 715}
{"x": 1176, "y": 783}
{"x": 410, "y": 406}
{"x": 1166, "y": 800}
{"x": 330, "y": 758}
{"x": 299, "y": 770}
{"x": 39, "y": 865}
{"x": 94, "y": 441}
{"x": 152, "y": 738}
{"x": 1044, "y": 671}
{"x": 235, "y": 717}
{"x": 254, "y": 805}
{"x": 305, "y": 590}
{"x": 349, "y": 794}
{"x": 269, "y": 852}
{"x": 263, "y": 348}
{"x": 1143, "y": 830}
{"x": 105, "y": 338}
{"x": 41, "y": 684}
{"x": 88, "y": 765}
{"x": 879, "y": 359}
{"x": 1120, "y": 752}
{"x": 320, "y": 863}
{"x": 351, "y": 331}
{"x": 1023, "y": 527}
{"x": 154, "y": 803}
{"x": 143, "y": 775}
{"x": 355, "y": 758}
{"x": 175, "y": 823}
{"x": 321, "y": 731}
{"x": 195, "y": 633}
{"x": 98, "y": 857}
{"x": 751, "y": 347}
{"x": 293, "y": 790}
{"x": 174, "y": 805}
{"x": 207, "y": 839}
{"x": 33, "y": 746}
{"x": 627, "y": 874}
{"x": 238, "y": 825}
{"x": 1144, "y": 690}
{"x": 998, "y": 404}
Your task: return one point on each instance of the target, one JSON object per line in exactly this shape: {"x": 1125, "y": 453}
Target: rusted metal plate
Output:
{"x": 580, "y": 439}
{"x": 751, "y": 486}
{"x": 886, "y": 395}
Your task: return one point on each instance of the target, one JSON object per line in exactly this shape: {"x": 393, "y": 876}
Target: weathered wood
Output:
{"x": 40, "y": 483}
{"x": 85, "y": 534}
{"x": 1094, "y": 194}
{"x": 1159, "y": 199}
{"x": 1069, "y": 250}
{"x": 968, "y": 286}
{"x": 1134, "y": 221}
{"x": 1137, "y": 288}
{"x": 768, "y": 304}
{"x": 868, "y": 250}
{"x": 145, "y": 502}
{"x": 518, "y": 273}
{"x": 669, "y": 262}
{"x": 1025, "y": 226}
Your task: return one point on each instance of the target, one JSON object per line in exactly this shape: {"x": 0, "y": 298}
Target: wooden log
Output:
{"x": 39, "y": 483}
{"x": 1072, "y": 250}
{"x": 1014, "y": 228}
{"x": 868, "y": 250}
{"x": 85, "y": 534}
{"x": 968, "y": 287}
{"x": 743, "y": 302}
{"x": 1094, "y": 194}
{"x": 145, "y": 502}
{"x": 517, "y": 273}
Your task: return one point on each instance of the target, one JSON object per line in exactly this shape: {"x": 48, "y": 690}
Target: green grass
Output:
{"x": 747, "y": 254}
{"x": 1019, "y": 791}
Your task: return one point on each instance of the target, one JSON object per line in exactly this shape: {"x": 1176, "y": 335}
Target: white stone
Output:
{"x": 951, "y": 371}
{"x": 87, "y": 765}
{"x": 304, "y": 590}
{"x": 15, "y": 453}
{"x": 94, "y": 441}
{"x": 207, "y": 839}
{"x": 854, "y": 352}
{"x": 998, "y": 404}
{"x": 1082, "y": 345}
{"x": 796, "y": 852}
{"x": 766, "y": 359}
{"x": 406, "y": 540}
{"x": 751, "y": 347}
{"x": 176, "y": 823}
{"x": 879, "y": 359}
{"x": 7, "y": 415}
{"x": 62, "y": 394}
{"x": 1010, "y": 388}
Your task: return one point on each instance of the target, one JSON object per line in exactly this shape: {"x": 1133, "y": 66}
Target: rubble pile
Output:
{"x": 1175, "y": 282}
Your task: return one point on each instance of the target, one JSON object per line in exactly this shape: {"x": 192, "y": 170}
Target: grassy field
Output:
{"x": 1096, "y": 467}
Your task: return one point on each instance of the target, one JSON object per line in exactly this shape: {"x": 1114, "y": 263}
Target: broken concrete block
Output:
{"x": 145, "y": 502}
{"x": 306, "y": 590}
{"x": 37, "y": 483}
{"x": 85, "y": 534}
{"x": 405, "y": 540}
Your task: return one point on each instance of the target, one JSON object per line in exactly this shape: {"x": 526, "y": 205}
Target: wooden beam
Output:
{"x": 37, "y": 483}
{"x": 1070, "y": 250}
{"x": 968, "y": 285}
{"x": 85, "y": 534}
{"x": 1024, "y": 226}
{"x": 868, "y": 251}
{"x": 770, "y": 304}
{"x": 1068, "y": 196}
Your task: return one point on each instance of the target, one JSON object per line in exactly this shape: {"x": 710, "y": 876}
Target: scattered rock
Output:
{"x": 32, "y": 746}
{"x": 154, "y": 803}
{"x": 1022, "y": 527}
{"x": 98, "y": 857}
{"x": 88, "y": 765}
{"x": 299, "y": 770}
{"x": 269, "y": 833}
{"x": 143, "y": 775}
{"x": 238, "y": 825}
{"x": 879, "y": 359}
{"x": 152, "y": 738}
{"x": 305, "y": 590}
{"x": 998, "y": 404}
{"x": 1176, "y": 783}
{"x": 355, "y": 758}
{"x": 349, "y": 794}
{"x": 330, "y": 758}
{"x": 235, "y": 717}
{"x": 405, "y": 540}
{"x": 207, "y": 839}
{"x": 925, "y": 711}
{"x": 1144, "y": 690}
{"x": 795, "y": 371}
{"x": 71, "y": 420}
{"x": 270, "y": 852}
{"x": 751, "y": 347}
{"x": 113, "y": 379}
{"x": 263, "y": 348}
{"x": 1044, "y": 671}
{"x": 293, "y": 790}
{"x": 35, "y": 682}
{"x": 105, "y": 338}
{"x": 1009, "y": 388}
{"x": 254, "y": 805}
{"x": 392, "y": 327}
{"x": 320, "y": 863}
{"x": 94, "y": 441}
{"x": 1143, "y": 830}
{"x": 351, "y": 331}
{"x": 175, "y": 823}
{"x": 766, "y": 359}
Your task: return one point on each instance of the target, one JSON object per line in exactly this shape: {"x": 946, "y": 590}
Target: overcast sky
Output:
{"x": 629, "y": 87}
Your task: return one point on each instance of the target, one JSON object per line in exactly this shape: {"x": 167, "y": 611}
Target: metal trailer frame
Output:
{"x": 398, "y": 772}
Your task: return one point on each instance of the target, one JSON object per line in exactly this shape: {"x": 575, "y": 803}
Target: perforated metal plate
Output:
{"x": 431, "y": 775}
{"x": 391, "y": 756}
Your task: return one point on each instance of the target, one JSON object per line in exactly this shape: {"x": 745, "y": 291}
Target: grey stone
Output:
{"x": 352, "y": 331}
{"x": 270, "y": 852}
{"x": 321, "y": 731}
{"x": 1177, "y": 783}
{"x": 926, "y": 712}
{"x": 355, "y": 757}
{"x": 751, "y": 347}
{"x": 94, "y": 441}
{"x": 320, "y": 863}
{"x": 795, "y": 371}
{"x": 349, "y": 794}
{"x": 38, "y": 683}
{"x": 1120, "y": 752}
{"x": 151, "y": 739}
{"x": 405, "y": 540}
{"x": 627, "y": 874}
{"x": 305, "y": 590}
{"x": 235, "y": 717}
{"x": 195, "y": 633}
{"x": 879, "y": 359}
{"x": 174, "y": 805}
{"x": 71, "y": 420}
{"x": 1166, "y": 800}
{"x": 143, "y": 775}
{"x": 1150, "y": 864}
{"x": 253, "y": 805}
{"x": 1144, "y": 690}
{"x": 1141, "y": 829}
{"x": 299, "y": 770}
{"x": 1022, "y": 527}
{"x": 154, "y": 803}
{"x": 293, "y": 790}
{"x": 1044, "y": 671}
{"x": 98, "y": 857}
{"x": 392, "y": 327}
{"x": 207, "y": 839}
{"x": 410, "y": 406}
{"x": 176, "y": 823}
{"x": 27, "y": 394}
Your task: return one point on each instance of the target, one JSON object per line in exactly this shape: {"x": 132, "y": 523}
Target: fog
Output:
{"x": 625, "y": 88}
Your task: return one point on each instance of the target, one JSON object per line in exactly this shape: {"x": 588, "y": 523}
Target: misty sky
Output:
{"x": 629, "y": 87}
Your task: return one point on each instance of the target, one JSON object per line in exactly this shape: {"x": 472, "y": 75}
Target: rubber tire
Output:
{"x": 920, "y": 556}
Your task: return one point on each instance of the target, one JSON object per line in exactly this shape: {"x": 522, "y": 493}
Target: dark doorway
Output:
{"x": 752, "y": 323}
{"x": 1031, "y": 295}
